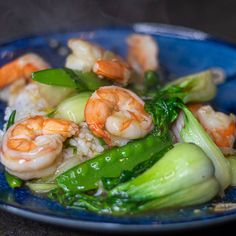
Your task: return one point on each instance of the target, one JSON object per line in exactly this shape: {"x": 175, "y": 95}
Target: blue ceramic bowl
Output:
{"x": 182, "y": 51}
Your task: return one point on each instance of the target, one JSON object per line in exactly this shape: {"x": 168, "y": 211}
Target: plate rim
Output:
{"x": 90, "y": 225}
{"x": 93, "y": 226}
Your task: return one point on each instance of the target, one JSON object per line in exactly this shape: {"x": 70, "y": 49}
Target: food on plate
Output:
{"x": 110, "y": 135}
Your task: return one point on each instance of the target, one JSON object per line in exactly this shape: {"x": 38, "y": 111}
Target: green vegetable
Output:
{"x": 184, "y": 176}
{"x": 91, "y": 80}
{"x": 100, "y": 204}
{"x": 147, "y": 86}
{"x": 111, "y": 163}
{"x": 81, "y": 81}
{"x": 232, "y": 162}
{"x": 164, "y": 110}
{"x": 126, "y": 175}
{"x": 193, "y": 88}
{"x": 13, "y": 181}
{"x": 55, "y": 94}
{"x": 41, "y": 187}
{"x": 182, "y": 167}
{"x": 11, "y": 120}
{"x": 151, "y": 79}
{"x": 73, "y": 108}
{"x": 165, "y": 104}
{"x": 195, "y": 194}
{"x": 58, "y": 77}
{"x": 193, "y": 132}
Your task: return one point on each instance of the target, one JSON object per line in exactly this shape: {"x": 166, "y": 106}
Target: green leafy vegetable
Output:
{"x": 41, "y": 187}
{"x": 112, "y": 163}
{"x": 151, "y": 79}
{"x": 146, "y": 86}
{"x": 193, "y": 132}
{"x": 91, "y": 80}
{"x": 98, "y": 204}
{"x": 11, "y": 120}
{"x": 126, "y": 175}
{"x": 183, "y": 176}
{"x": 73, "y": 108}
{"x": 51, "y": 114}
{"x": 193, "y": 195}
{"x": 193, "y": 88}
{"x": 183, "y": 166}
{"x": 13, "y": 181}
{"x": 164, "y": 110}
{"x": 81, "y": 81}
{"x": 232, "y": 163}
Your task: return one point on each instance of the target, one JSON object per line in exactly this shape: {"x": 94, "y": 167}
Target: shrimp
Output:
{"x": 115, "y": 69}
{"x": 142, "y": 53}
{"x": 113, "y": 112}
{"x": 90, "y": 57}
{"x": 84, "y": 54}
{"x": 31, "y": 148}
{"x": 220, "y": 127}
{"x": 21, "y": 67}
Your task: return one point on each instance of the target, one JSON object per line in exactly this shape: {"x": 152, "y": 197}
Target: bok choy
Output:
{"x": 165, "y": 108}
{"x": 73, "y": 108}
{"x": 183, "y": 176}
{"x": 198, "y": 87}
{"x": 232, "y": 163}
{"x": 193, "y": 132}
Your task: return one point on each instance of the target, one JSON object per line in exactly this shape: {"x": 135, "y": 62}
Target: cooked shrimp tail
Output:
{"x": 21, "y": 67}
{"x": 114, "y": 112}
{"x": 142, "y": 53}
{"x": 32, "y": 147}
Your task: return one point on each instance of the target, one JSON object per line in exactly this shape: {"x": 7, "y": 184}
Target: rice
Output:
{"x": 27, "y": 103}
{"x": 84, "y": 146}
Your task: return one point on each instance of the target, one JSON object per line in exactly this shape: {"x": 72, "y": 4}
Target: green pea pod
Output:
{"x": 91, "y": 80}
{"x": 151, "y": 79}
{"x": 111, "y": 163}
{"x": 58, "y": 77}
{"x": 11, "y": 120}
{"x": 64, "y": 77}
{"x": 13, "y": 181}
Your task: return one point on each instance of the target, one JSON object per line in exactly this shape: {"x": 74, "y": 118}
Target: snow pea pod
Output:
{"x": 111, "y": 163}
{"x": 13, "y": 181}
{"x": 64, "y": 77}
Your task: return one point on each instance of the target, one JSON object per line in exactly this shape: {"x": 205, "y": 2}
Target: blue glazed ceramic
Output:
{"x": 182, "y": 51}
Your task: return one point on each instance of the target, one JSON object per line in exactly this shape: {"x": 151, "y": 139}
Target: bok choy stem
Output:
{"x": 193, "y": 132}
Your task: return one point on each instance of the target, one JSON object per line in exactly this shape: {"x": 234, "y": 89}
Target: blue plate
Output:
{"x": 182, "y": 51}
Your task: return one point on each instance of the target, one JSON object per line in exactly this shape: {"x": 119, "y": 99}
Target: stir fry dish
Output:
{"x": 111, "y": 135}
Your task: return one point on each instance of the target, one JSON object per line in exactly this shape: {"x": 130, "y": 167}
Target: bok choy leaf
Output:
{"x": 193, "y": 132}
{"x": 198, "y": 87}
{"x": 183, "y": 176}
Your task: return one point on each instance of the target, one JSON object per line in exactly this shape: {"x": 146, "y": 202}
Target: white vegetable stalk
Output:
{"x": 232, "y": 162}
{"x": 193, "y": 132}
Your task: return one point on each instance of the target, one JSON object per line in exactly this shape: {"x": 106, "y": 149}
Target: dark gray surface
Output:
{"x": 26, "y": 17}
{"x": 31, "y": 17}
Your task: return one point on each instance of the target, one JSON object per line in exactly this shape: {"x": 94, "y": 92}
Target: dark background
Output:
{"x": 21, "y": 18}
{"x": 26, "y": 17}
